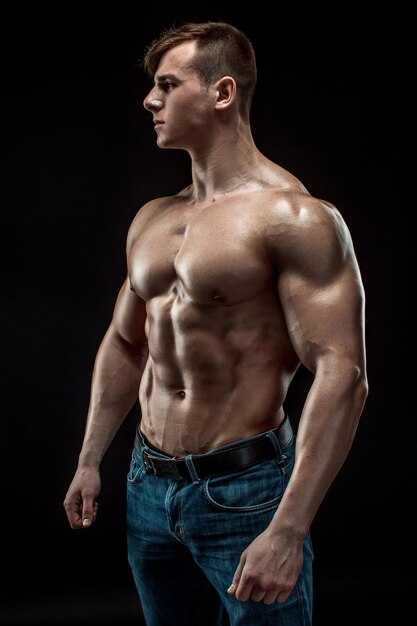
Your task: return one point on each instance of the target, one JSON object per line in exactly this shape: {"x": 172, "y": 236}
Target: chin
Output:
{"x": 168, "y": 144}
{"x": 161, "y": 142}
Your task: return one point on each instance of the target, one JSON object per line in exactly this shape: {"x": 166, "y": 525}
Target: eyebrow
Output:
{"x": 161, "y": 77}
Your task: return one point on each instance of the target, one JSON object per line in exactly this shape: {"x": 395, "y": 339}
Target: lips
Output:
{"x": 158, "y": 123}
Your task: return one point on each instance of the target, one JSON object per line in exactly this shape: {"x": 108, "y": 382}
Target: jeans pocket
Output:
{"x": 255, "y": 488}
{"x": 136, "y": 469}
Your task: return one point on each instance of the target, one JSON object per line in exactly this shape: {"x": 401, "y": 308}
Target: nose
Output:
{"x": 152, "y": 102}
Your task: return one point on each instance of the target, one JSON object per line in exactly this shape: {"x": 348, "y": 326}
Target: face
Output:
{"x": 182, "y": 108}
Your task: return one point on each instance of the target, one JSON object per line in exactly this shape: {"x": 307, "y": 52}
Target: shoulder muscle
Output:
{"x": 309, "y": 237}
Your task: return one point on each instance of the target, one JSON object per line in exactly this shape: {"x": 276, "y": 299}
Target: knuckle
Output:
{"x": 241, "y": 596}
{"x": 248, "y": 577}
{"x": 270, "y": 584}
{"x": 286, "y": 588}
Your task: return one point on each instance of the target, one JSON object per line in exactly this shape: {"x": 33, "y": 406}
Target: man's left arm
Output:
{"x": 322, "y": 297}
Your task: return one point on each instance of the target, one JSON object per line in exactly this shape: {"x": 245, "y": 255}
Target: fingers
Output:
{"x": 81, "y": 512}
{"x": 264, "y": 575}
{"x": 245, "y": 587}
{"x": 81, "y": 499}
{"x": 72, "y": 506}
{"x": 231, "y": 590}
{"x": 237, "y": 575}
{"x": 257, "y": 594}
{"x": 89, "y": 512}
{"x": 270, "y": 597}
{"x": 244, "y": 591}
{"x": 243, "y": 583}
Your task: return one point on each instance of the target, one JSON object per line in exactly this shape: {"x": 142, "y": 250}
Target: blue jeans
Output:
{"x": 185, "y": 539}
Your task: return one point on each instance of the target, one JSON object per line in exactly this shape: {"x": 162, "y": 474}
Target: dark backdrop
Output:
{"x": 80, "y": 161}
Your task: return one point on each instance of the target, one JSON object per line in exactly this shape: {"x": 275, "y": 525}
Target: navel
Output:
{"x": 218, "y": 296}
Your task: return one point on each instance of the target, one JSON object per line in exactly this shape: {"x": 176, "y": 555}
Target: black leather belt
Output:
{"x": 245, "y": 454}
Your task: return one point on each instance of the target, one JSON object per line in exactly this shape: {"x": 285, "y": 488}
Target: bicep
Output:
{"x": 129, "y": 316}
{"x": 325, "y": 319}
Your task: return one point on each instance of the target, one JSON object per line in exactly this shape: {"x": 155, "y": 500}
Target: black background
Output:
{"x": 80, "y": 160}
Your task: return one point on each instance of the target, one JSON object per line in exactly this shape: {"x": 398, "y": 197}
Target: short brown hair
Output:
{"x": 222, "y": 50}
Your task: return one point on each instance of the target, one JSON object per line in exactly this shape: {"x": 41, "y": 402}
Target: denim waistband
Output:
{"x": 284, "y": 433}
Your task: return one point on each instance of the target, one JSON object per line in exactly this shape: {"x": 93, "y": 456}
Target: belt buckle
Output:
{"x": 149, "y": 460}
{"x": 170, "y": 469}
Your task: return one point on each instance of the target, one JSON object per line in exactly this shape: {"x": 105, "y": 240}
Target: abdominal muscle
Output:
{"x": 214, "y": 374}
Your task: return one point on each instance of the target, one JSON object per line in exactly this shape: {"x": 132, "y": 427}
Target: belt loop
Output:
{"x": 274, "y": 440}
{"x": 190, "y": 465}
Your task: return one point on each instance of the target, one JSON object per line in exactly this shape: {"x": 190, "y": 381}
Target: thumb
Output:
{"x": 238, "y": 573}
{"x": 89, "y": 512}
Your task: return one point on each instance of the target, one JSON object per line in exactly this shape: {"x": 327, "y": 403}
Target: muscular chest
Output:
{"x": 214, "y": 256}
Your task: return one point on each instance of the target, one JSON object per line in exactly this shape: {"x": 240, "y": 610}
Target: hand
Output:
{"x": 81, "y": 499}
{"x": 268, "y": 569}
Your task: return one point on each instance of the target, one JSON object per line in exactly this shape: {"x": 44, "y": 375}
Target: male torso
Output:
{"x": 220, "y": 358}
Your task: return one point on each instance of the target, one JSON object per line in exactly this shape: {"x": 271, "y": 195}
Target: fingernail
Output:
{"x": 231, "y": 588}
{"x": 86, "y": 521}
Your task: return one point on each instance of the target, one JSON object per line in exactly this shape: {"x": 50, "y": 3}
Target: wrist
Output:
{"x": 292, "y": 528}
{"x": 89, "y": 461}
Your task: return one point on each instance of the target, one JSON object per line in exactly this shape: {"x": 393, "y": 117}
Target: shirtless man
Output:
{"x": 231, "y": 284}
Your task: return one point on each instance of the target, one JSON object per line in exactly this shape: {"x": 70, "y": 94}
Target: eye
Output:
{"x": 168, "y": 85}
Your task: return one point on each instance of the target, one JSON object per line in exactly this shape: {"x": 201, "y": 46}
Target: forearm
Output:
{"x": 114, "y": 389}
{"x": 326, "y": 431}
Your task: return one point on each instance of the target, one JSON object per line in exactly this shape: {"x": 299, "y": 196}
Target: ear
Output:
{"x": 226, "y": 92}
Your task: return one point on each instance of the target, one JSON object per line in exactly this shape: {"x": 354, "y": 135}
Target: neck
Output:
{"x": 226, "y": 164}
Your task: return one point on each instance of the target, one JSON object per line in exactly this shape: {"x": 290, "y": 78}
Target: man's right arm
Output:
{"x": 115, "y": 384}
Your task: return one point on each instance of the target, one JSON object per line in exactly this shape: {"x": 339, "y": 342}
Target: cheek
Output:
{"x": 196, "y": 117}
{"x": 191, "y": 109}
